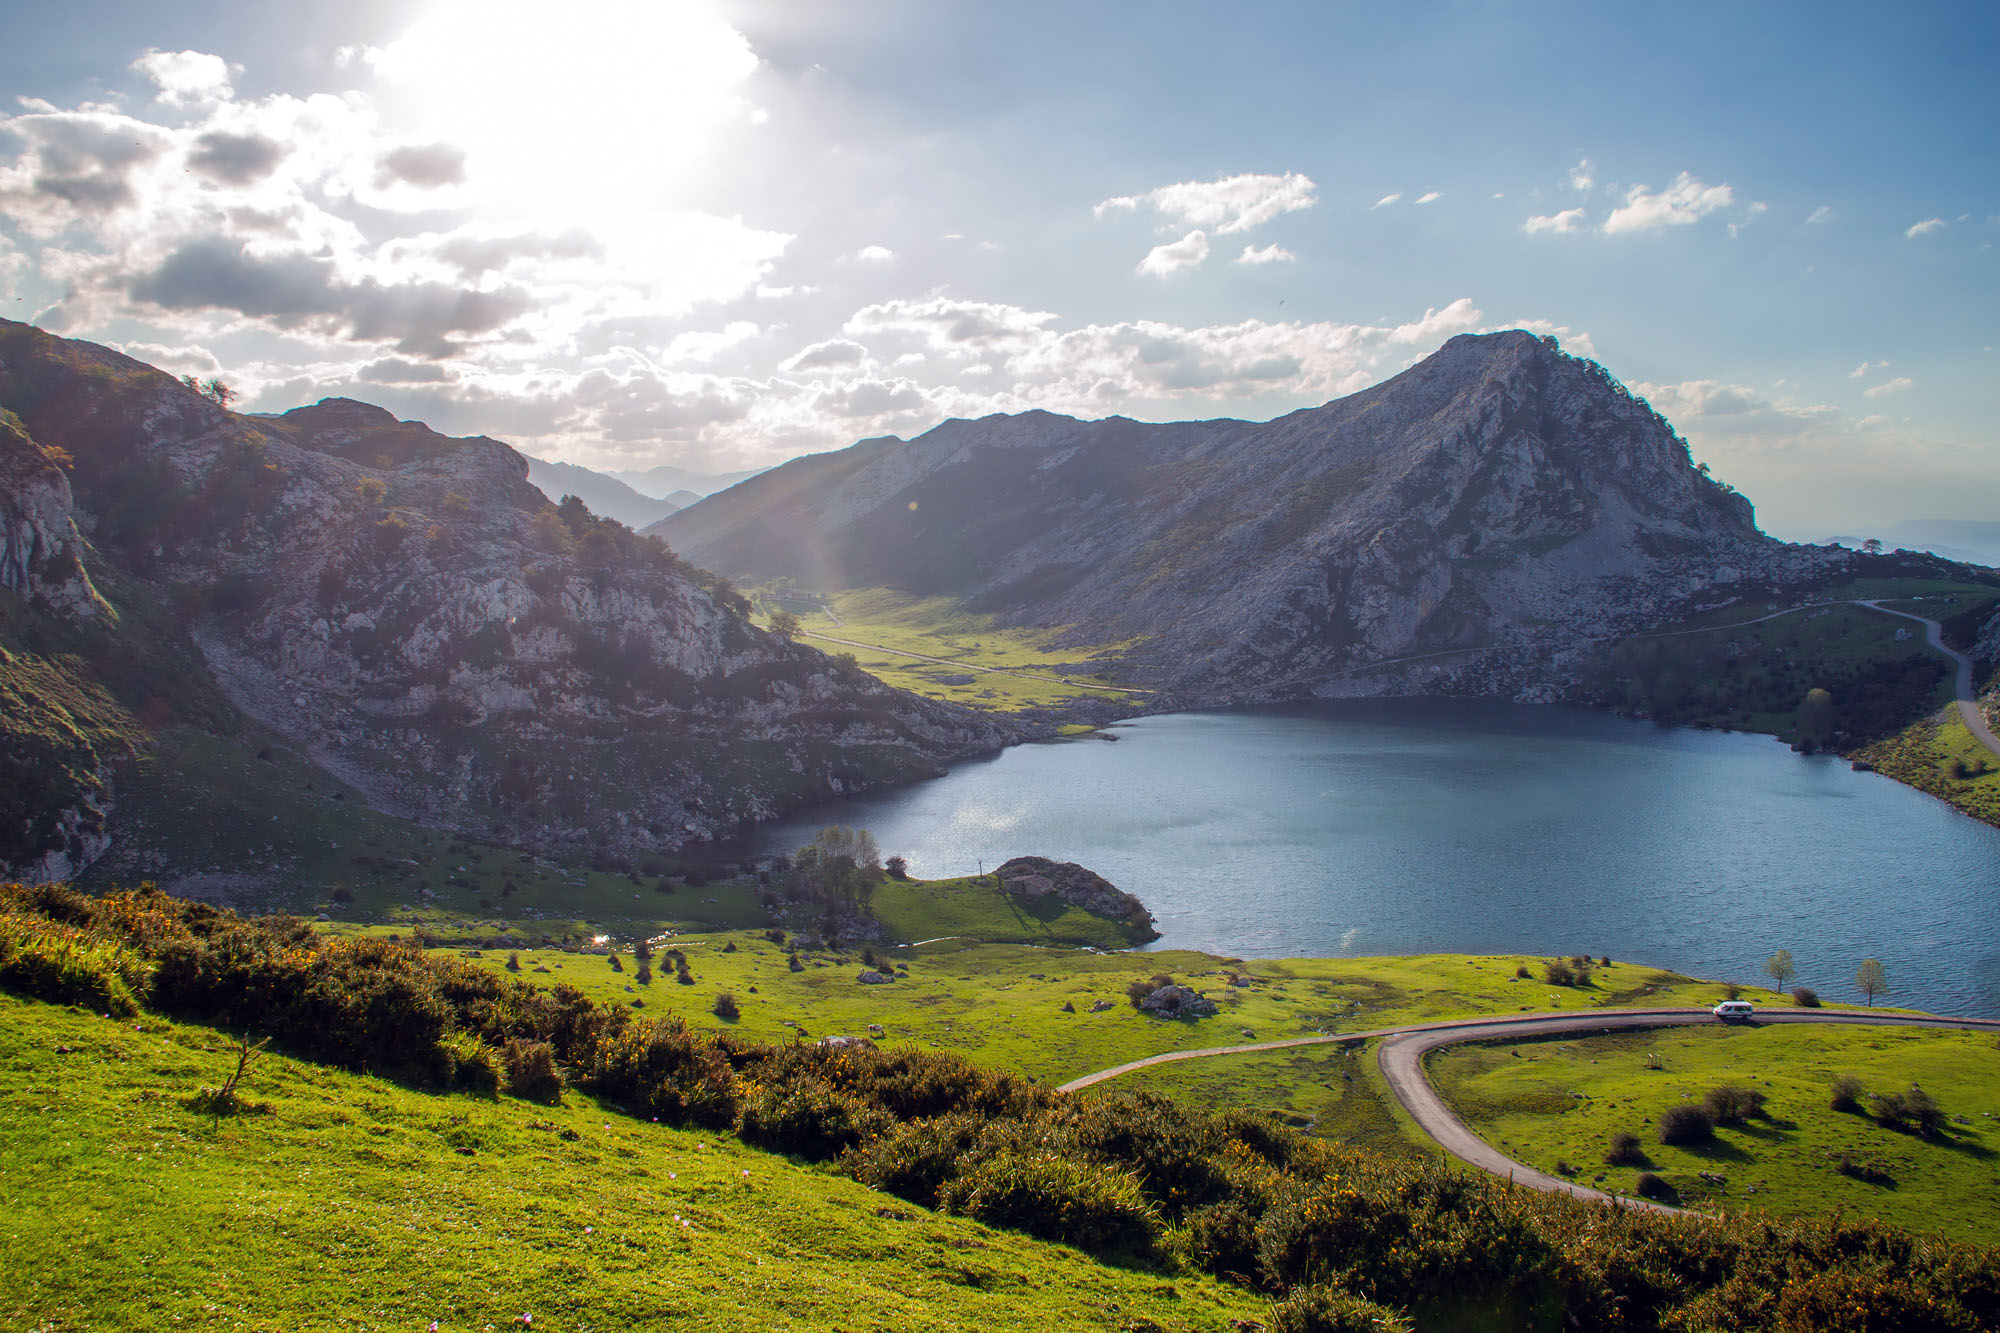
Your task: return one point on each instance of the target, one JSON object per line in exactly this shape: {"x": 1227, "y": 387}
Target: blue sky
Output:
{"x": 722, "y": 234}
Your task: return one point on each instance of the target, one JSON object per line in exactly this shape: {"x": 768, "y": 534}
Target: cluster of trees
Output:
{"x": 1869, "y": 978}
{"x": 840, "y": 865}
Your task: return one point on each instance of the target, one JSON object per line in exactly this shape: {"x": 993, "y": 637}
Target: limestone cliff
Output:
{"x": 411, "y": 612}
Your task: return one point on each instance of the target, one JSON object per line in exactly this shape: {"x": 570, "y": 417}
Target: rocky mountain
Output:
{"x": 1491, "y": 511}
{"x": 667, "y": 482}
{"x": 606, "y": 496}
{"x": 404, "y": 608}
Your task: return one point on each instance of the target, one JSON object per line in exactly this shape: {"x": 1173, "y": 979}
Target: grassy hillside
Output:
{"x": 1003, "y": 1005}
{"x": 1552, "y": 1102}
{"x": 986, "y": 664}
{"x": 352, "y": 1202}
{"x": 320, "y": 1195}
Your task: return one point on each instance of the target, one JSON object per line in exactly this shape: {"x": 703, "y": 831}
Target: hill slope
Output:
{"x": 1499, "y": 495}
{"x": 404, "y": 608}
{"x": 605, "y": 495}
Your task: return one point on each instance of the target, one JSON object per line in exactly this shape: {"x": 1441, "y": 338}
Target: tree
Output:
{"x": 1814, "y": 718}
{"x": 785, "y": 623}
{"x": 1779, "y": 968}
{"x": 1871, "y": 980}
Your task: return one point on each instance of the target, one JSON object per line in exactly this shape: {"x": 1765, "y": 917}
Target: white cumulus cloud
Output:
{"x": 1583, "y": 176}
{"x": 1385, "y": 201}
{"x": 1229, "y": 205}
{"x": 186, "y": 78}
{"x": 1569, "y": 220}
{"x": 1430, "y": 196}
{"x": 873, "y": 254}
{"x": 1887, "y": 387}
{"x": 1269, "y": 254}
{"x": 1190, "y": 251}
{"x": 1686, "y": 201}
{"x": 1924, "y": 228}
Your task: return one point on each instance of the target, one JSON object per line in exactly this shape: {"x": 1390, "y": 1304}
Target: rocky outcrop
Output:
{"x": 1490, "y": 512}
{"x": 414, "y": 615}
{"x": 1177, "y": 1001}
{"x": 41, "y": 552}
{"x": 1035, "y": 877}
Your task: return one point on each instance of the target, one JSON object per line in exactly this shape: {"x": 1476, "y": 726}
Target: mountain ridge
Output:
{"x": 405, "y": 608}
{"x": 1498, "y": 495}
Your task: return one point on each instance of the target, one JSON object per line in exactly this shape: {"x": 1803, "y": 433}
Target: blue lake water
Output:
{"x": 1455, "y": 826}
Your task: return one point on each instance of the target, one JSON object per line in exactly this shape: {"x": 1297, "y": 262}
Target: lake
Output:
{"x": 1413, "y": 826}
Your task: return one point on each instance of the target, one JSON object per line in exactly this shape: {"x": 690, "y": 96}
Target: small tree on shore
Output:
{"x": 1871, "y": 980}
{"x": 1779, "y": 968}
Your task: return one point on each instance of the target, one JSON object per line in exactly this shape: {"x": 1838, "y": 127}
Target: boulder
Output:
{"x": 1177, "y": 1002}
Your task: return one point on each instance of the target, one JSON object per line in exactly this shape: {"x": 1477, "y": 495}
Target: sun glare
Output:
{"x": 569, "y": 113}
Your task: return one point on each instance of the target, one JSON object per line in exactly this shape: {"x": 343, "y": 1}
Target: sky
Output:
{"x": 722, "y": 234}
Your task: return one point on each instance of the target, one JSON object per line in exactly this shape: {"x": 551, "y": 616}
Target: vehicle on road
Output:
{"x": 1734, "y": 1011}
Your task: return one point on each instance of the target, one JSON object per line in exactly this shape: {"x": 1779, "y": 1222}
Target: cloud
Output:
{"x": 397, "y": 370}
{"x": 1385, "y": 201}
{"x": 833, "y": 354}
{"x": 185, "y": 78}
{"x": 1864, "y": 368}
{"x": 872, "y": 254}
{"x": 235, "y": 159}
{"x": 1190, "y": 251}
{"x": 1924, "y": 228}
{"x": 1430, "y": 196}
{"x": 1887, "y": 387}
{"x": 1269, "y": 254}
{"x": 1583, "y": 176}
{"x": 1686, "y": 201}
{"x": 1824, "y": 213}
{"x": 425, "y": 166}
{"x": 1569, "y": 220}
{"x": 1231, "y": 204}
{"x": 954, "y": 325}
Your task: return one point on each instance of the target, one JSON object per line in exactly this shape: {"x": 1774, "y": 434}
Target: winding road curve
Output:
{"x": 1401, "y": 1059}
{"x": 1968, "y": 702}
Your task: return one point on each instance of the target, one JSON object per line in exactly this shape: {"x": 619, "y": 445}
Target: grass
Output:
{"x": 973, "y": 907}
{"x": 1940, "y": 756}
{"x": 940, "y": 627}
{"x": 349, "y": 1202}
{"x": 1002, "y": 1004}
{"x": 1550, "y": 1101}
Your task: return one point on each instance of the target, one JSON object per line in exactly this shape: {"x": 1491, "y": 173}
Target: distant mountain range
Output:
{"x": 605, "y": 494}
{"x": 1975, "y": 541}
{"x": 1500, "y": 497}
{"x": 666, "y": 482}
{"x": 402, "y": 608}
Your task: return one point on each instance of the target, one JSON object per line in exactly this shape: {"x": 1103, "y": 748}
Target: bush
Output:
{"x": 474, "y": 1066}
{"x": 662, "y": 1069}
{"x": 1567, "y": 971}
{"x": 1847, "y": 1090}
{"x": 65, "y": 964}
{"x": 531, "y": 1070}
{"x": 1521, "y": 971}
{"x": 1625, "y": 1150}
{"x": 1913, "y": 1111}
{"x": 1805, "y": 997}
{"x": 1319, "y": 1309}
{"x": 1732, "y": 1104}
{"x": 1874, "y": 1173}
{"x": 1840, "y": 1302}
{"x": 915, "y": 1160}
{"x": 809, "y": 1120}
{"x": 1686, "y": 1123}
{"x": 1092, "y": 1206}
{"x": 1650, "y": 1186}
{"x": 726, "y": 1008}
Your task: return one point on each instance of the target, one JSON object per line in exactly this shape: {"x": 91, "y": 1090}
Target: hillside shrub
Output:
{"x": 1732, "y": 1104}
{"x": 532, "y": 1071}
{"x": 915, "y": 1159}
{"x": 1686, "y": 1123}
{"x": 1805, "y": 997}
{"x": 663, "y": 1069}
{"x": 1318, "y": 1309}
{"x": 1914, "y": 1111}
{"x": 1847, "y": 1092}
{"x": 808, "y": 1120}
{"x": 1651, "y": 1186}
{"x": 1625, "y": 1150}
{"x": 51, "y": 960}
{"x": 1093, "y": 1206}
{"x": 726, "y": 1007}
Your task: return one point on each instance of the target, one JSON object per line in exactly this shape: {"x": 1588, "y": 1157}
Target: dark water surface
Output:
{"x": 1453, "y": 826}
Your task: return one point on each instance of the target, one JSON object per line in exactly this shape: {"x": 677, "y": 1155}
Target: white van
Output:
{"x": 1734, "y": 1011}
